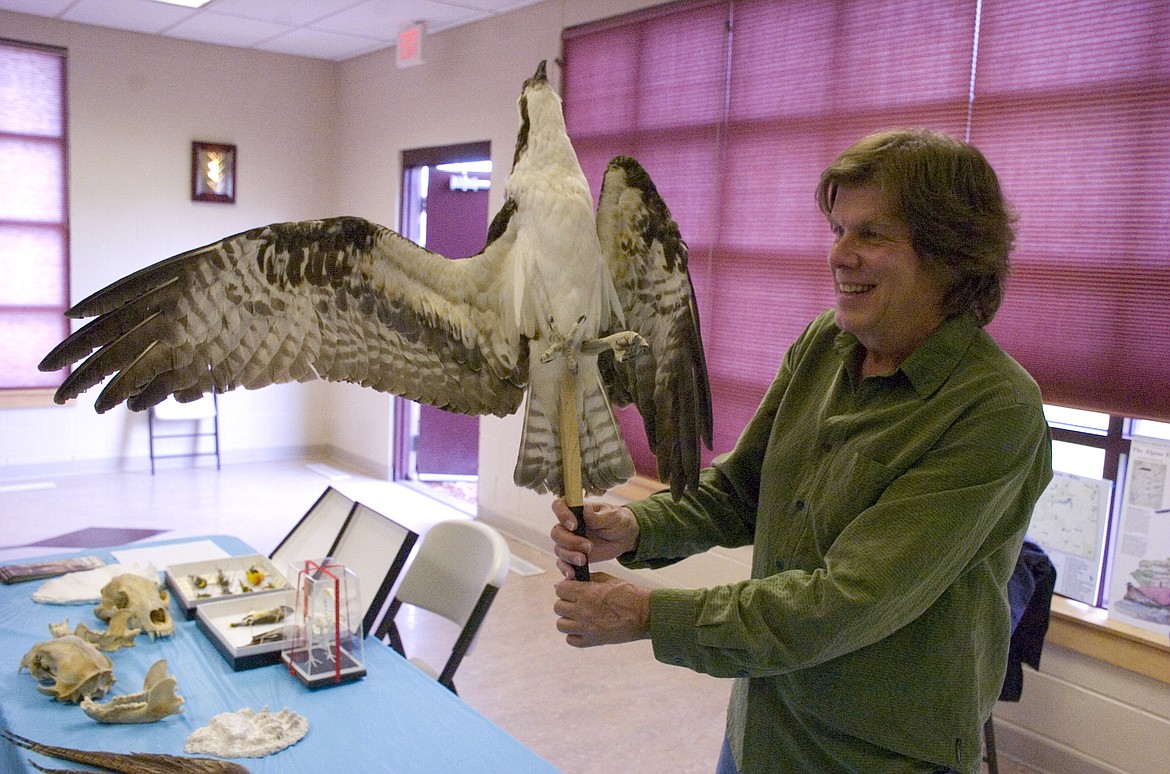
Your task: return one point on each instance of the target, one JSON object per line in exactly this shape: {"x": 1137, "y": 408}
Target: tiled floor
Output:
{"x": 587, "y": 711}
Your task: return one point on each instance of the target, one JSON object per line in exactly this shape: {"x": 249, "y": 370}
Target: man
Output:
{"x": 886, "y": 482}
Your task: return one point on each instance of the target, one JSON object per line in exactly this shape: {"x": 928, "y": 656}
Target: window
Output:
{"x": 735, "y": 107}
{"x": 34, "y": 223}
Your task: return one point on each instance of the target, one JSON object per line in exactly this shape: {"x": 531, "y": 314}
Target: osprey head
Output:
{"x": 538, "y": 77}
{"x": 540, "y": 107}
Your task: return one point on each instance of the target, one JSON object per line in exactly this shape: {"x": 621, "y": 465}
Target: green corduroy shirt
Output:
{"x": 886, "y": 516}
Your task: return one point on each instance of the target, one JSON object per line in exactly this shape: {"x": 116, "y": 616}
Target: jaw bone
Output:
{"x": 157, "y": 699}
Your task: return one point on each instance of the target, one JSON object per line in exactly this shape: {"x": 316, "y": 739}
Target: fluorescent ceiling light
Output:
{"x": 186, "y": 3}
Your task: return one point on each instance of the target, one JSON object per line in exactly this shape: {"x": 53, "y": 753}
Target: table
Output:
{"x": 395, "y": 719}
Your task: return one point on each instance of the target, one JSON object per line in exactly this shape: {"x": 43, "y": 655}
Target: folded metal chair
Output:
{"x": 460, "y": 566}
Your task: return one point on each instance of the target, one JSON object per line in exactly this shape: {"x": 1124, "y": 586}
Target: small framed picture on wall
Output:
{"x": 213, "y": 172}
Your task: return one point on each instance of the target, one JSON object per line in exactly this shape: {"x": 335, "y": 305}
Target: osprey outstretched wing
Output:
{"x": 341, "y": 299}
{"x": 344, "y": 299}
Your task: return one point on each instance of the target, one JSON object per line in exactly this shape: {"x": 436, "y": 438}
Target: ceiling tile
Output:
{"x": 226, "y": 30}
{"x": 135, "y": 15}
{"x": 496, "y": 6}
{"x": 385, "y": 18}
{"x": 37, "y": 7}
{"x": 320, "y": 45}
{"x": 293, "y": 13}
{"x": 321, "y": 29}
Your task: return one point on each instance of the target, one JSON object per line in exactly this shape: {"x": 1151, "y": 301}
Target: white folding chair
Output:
{"x": 460, "y": 566}
{"x": 192, "y": 415}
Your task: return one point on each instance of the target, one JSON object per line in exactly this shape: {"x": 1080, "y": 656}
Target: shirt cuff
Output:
{"x": 674, "y": 615}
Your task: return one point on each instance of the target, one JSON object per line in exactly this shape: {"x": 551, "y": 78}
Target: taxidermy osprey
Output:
{"x": 558, "y": 298}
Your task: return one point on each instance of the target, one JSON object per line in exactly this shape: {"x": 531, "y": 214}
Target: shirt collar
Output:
{"x": 928, "y": 366}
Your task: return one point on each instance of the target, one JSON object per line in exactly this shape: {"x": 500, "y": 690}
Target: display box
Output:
{"x": 249, "y": 642}
{"x": 326, "y": 642}
{"x": 315, "y": 534}
{"x": 374, "y": 547}
{"x": 195, "y": 583}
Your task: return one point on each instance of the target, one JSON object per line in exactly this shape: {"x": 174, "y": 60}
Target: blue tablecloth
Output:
{"x": 395, "y": 719}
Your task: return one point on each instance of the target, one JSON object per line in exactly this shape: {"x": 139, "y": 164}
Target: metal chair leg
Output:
{"x": 989, "y": 744}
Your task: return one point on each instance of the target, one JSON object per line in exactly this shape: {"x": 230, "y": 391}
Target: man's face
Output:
{"x": 885, "y": 295}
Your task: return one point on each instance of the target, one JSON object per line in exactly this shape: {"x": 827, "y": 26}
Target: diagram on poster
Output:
{"x": 1140, "y": 589}
{"x": 1069, "y": 524}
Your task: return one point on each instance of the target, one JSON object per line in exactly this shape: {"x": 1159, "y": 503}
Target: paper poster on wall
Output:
{"x": 1069, "y": 523}
{"x": 1140, "y": 586}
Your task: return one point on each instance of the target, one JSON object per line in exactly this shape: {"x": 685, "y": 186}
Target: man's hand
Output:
{"x": 612, "y": 531}
{"x": 604, "y": 611}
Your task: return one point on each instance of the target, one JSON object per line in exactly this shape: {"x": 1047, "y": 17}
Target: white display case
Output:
{"x": 194, "y": 583}
{"x": 373, "y": 547}
{"x": 325, "y": 643}
{"x": 248, "y": 644}
{"x": 315, "y": 534}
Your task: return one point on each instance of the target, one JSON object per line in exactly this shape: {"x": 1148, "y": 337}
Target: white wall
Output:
{"x": 135, "y": 104}
{"x": 318, "y": 139}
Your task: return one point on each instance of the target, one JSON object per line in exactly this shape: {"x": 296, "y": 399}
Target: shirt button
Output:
{"x": 799, "y": 504}
{"x": 779, "y": 565}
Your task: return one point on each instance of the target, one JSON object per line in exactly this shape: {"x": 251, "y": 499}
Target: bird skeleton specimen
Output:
{"x": 575, "y": 309}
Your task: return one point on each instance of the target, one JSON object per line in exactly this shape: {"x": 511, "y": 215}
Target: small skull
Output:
{"x": 148, "y": 605}
{"x": 69, "y": 669}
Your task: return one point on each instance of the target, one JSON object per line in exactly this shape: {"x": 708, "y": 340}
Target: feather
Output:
{"x": 344, "y": 299}
{"x": 129, "y": 763}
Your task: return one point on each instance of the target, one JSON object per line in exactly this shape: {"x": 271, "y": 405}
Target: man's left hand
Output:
{"x": 603, "y": 611}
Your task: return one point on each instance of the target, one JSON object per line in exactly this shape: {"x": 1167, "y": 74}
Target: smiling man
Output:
{"x": 886, "y": 297}
{"x": 885, "y": 482}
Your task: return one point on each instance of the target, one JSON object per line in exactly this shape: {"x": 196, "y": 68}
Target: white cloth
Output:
{"x": 85, "y": 587}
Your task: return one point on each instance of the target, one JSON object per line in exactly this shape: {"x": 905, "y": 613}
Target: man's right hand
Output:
{"x": 612, "y": 530}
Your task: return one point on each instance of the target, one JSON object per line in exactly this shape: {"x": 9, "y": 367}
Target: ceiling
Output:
{"x": 319, "y": 29}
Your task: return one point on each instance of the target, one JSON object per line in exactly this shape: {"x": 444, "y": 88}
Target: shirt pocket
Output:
{"x": 852, "y": 483}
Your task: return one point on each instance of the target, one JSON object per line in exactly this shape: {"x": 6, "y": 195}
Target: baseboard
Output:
{"x": 140, "y": 463}
{"x": 1045, "y": 755}
{"x": 354, "y": 462}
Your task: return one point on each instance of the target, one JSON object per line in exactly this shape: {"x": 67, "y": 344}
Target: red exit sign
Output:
{"x": 410, "y": 45}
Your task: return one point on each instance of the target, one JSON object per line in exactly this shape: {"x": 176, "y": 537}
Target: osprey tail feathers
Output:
{"x": 605, "y": 460}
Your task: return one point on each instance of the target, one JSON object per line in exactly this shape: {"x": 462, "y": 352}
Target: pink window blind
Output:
{"x": 34, "y": 240}
{"x": 1072, "y": 106}
{"x": 735, "y": 107}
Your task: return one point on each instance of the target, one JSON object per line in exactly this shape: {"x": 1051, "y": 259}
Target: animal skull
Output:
{"x": 148, "y": 605}
{"x": 69, "y": 669}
